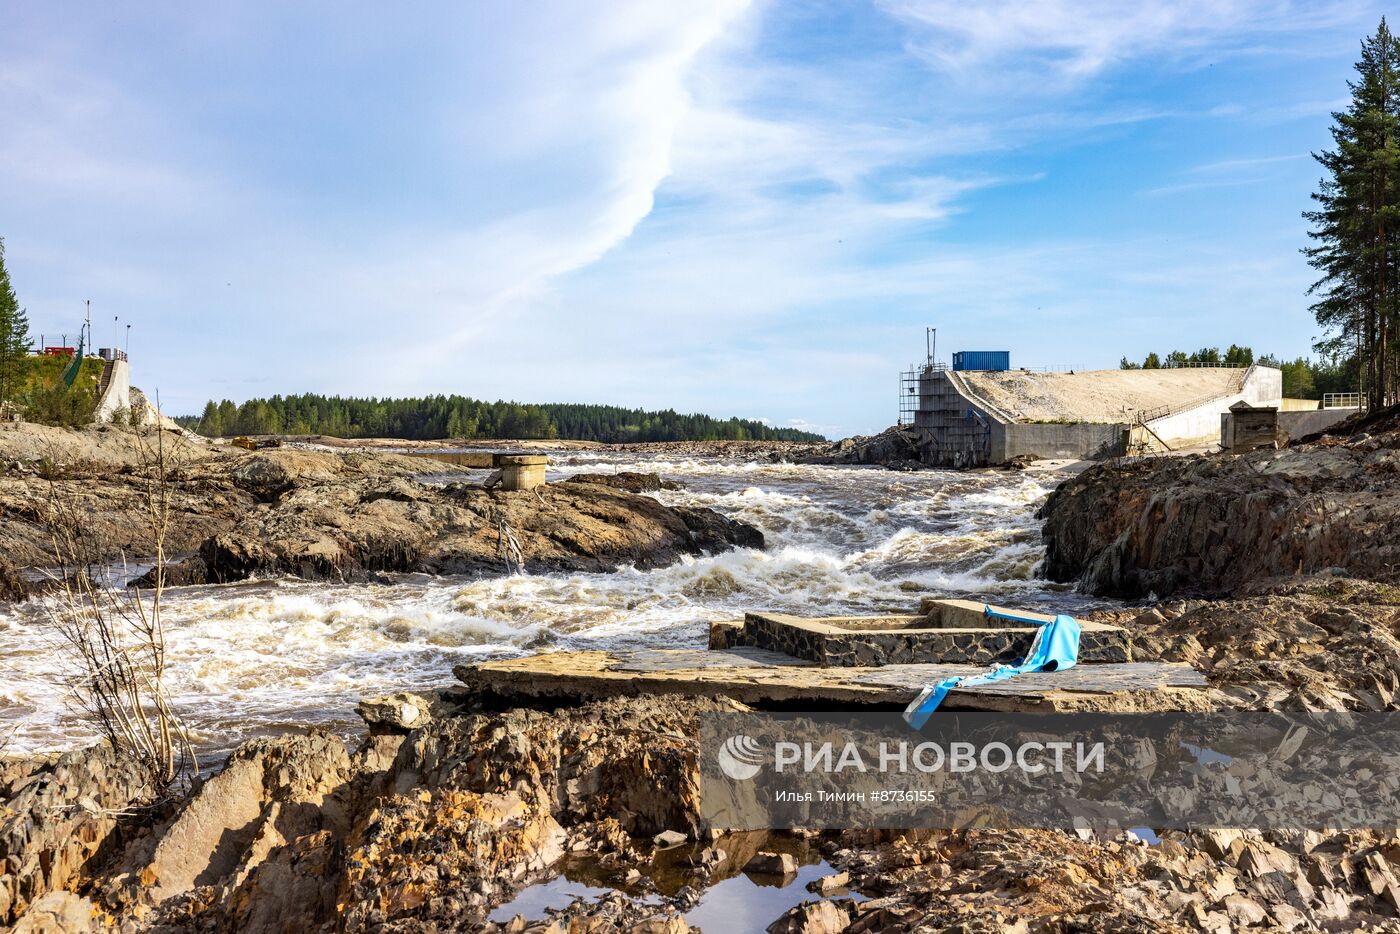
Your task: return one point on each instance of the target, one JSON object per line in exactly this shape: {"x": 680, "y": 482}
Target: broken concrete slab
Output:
{"x": 753, "y": 676}
{"x": 952, "y": 631}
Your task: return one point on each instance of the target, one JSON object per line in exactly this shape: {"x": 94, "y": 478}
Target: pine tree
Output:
{"x": 1356, "y": 226}
{"x": 14, "y": 336}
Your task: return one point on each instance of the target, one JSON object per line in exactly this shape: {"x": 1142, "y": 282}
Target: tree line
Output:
{"x": 1303, "y": 378}
{"x": 1355, "y": 228}
{"x": 438, "y": 417}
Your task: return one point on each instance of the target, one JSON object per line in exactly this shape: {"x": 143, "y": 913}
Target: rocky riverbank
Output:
{"x": 447, "y": 809}
{"x": 1212, "y": 525}
{"x": 324, "y": 514}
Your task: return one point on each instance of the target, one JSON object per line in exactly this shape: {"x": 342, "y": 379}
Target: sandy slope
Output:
{"x": 1098, "y": 395}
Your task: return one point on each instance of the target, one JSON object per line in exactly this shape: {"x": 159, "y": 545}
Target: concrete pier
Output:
{"x": 522, "y": 471}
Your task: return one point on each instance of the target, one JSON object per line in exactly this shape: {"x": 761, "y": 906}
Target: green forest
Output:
{"x": 437, "y": 417}
{"x": 1303, "y": 378}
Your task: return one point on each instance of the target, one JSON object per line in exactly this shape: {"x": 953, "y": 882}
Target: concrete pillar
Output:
{"x": 522, "y": 471}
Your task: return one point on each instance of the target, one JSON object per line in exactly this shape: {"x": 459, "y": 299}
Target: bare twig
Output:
{"x": 116, "y": 635}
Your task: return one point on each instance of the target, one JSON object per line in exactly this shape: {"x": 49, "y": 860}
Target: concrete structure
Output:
{"x": 977, "y": 418}
{"x": 114, "y": 390}
{"x": 522, "y": 471}
{"x": 518, "y": 471}
{"x": 1248, "y": 428}
{"x": 1291, "y": 425}
{"x": 946, "y": 631}
{"x": 1295, "y": 425}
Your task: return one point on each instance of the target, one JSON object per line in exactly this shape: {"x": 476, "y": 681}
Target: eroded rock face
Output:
{"x": 342, "y": 529}
{"x": 432, "y": 831}
{"x": 57, "y": 815}
{"x": 337, "y": 516}
{"x": 630, "y": 480}
{"x": 1210, "y": 525}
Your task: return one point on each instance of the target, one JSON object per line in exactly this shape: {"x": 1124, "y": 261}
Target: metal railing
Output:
{"x": 1341, "y": 400}
{"x": 1192, "y": 364}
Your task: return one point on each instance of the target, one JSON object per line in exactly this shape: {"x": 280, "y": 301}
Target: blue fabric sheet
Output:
{"x": 1055, "y": 648}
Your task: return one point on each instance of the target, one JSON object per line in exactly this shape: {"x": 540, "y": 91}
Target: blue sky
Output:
{"x": 742, "y": 208}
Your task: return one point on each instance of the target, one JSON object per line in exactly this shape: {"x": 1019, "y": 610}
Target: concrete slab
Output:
{"x": 753, "y": 676}
{"x": 948, "y": 632}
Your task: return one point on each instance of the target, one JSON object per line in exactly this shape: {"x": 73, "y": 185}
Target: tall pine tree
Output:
{"x": 14, "y": 336}
{"x": 1356, "y": 226}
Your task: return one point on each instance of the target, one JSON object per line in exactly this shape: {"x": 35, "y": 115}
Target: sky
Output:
{"x": 737, "y": 207}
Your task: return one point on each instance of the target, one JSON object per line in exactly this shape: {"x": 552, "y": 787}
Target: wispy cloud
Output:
{"x": 733, "y": 207}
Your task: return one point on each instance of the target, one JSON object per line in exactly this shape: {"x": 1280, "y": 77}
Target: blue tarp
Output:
{"x": 1055, "y": 648}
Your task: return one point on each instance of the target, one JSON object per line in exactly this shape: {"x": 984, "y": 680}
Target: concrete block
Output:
{"x": 522, "y": 471}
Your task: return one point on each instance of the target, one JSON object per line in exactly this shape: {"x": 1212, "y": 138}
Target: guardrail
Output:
{"x": 1192, "y": 364}
{"x": 1341, "y": 400}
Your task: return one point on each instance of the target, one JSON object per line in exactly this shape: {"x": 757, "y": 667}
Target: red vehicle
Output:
{"x": 60, "y": 351}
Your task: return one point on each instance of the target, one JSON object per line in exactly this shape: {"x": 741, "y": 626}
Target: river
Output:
{"x": 263, "y": 657}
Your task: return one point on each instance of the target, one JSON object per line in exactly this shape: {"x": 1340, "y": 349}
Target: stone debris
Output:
{"x": 395, "y": 713}
{"x": 772, "y": 864}
{"x": 828, "y": 885}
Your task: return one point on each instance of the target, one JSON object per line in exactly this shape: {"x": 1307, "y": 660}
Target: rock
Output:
{"x": 46, "y": 838}
{"x": 1244, "y": 911}
{"x": 12, "y": 586}
{"x": 829, "y": 885}
{"x": 352, "y": 528}
{"x": 812, "y": 918}
{"x": 395, "y": 713}
{"x": 669, "y": 838}
{"x": 1211, "y": 525}
{"x": 270, "y": 792}
{"x": 772, "y": 864}
{"x": 59, "y": 913}
{"x": 186, "y": 573}
{"x": 629, "y": 480}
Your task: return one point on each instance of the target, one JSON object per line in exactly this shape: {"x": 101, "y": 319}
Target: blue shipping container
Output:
{"x": 982, "y": 360}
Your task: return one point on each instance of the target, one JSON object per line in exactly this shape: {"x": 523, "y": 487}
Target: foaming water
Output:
{"x": 263, "y": 657}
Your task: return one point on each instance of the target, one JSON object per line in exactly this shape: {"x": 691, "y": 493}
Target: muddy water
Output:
{"x": 267, "y": 656}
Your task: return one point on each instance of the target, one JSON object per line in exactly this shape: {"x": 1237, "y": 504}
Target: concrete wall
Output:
{"x": 117, "y": 397}
{"x": 1201, "y": 425}
{"x": 1300, "y": 424}
{"x": 1076, "y": 440}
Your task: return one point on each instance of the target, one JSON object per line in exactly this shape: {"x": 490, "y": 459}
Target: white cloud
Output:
{"x": 1071, "y": 40}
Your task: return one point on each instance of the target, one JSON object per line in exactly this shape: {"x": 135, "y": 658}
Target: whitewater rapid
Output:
{"x": 263, "y": 657}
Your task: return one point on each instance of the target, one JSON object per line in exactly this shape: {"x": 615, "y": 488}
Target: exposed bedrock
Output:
{"x": 1210, "y": 525}
{"x": 330, "y": 515}
{"x": 408, "y": 833}
{"x": 342, "y": 529}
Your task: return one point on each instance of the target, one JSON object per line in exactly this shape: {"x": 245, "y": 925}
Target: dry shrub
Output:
{"x": 114, "y": 635}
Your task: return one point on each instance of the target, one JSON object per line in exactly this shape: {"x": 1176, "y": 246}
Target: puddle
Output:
{"x": 535, "y": 901}
{"x": 733, "y": 901}
{"x": 751, "y": 903}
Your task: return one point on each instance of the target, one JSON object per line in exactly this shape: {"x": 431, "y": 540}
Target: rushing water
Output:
{"x": 267, "y": 656}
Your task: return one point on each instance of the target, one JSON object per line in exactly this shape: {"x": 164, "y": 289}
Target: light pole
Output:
{"x": 127, "y": 350}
